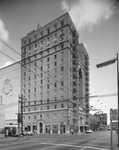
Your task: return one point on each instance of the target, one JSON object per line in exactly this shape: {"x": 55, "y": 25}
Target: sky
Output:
{"x": 97, "y": 22}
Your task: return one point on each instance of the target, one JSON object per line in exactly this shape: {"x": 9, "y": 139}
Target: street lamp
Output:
{"x": 106, "y": 64}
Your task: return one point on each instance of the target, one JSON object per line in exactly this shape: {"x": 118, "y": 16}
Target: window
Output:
{"x": 55, "y": 99}
{"x": 62, "y": 97}
{"x": 24, "y": 110}
{"x": 62, "y": 105}
{"x": 62, "y": 46}
{"x": 55, "y": 106}
{"x": 35, "y": 76}
{"x": 48, "y": 58}
{"x": 48, "y": 41}
{"x": 48, "y": 52}
{"x": 41, "y": 116}
{"x": 29, "y": 117}
{"x": 62, "y": 83}
{"x": 29, "y": 96}
{"x": 62, "y": 23}
{"x": 34, "y": 83}
{"x": 29, "y": 47}
{"x": 41, "y": 81}
{"x": 35, "y": 56}
{"x": 24, "y": 85}
{"x": 55, "y": 26}
{"x": 34, "y": 116}
{"x": 34, "y": 89}
{"x": 29, "y": 78}
{"x": 35, "y": 64}
{"x": 62, "y": 54}
{"x": 48, "y": 86}
{"x": 55, "y": 84}
{"x": 61, "y": 37}
{"x": 34, "y": 108}
{"x": 48, "y": 30}
{"x": 28, "y": 90}
{"x": 41, "y": 62}
{"x": 62, "y": 68}
{"x": 48, "y": 116}
{"x": 29, "y": 103}
{"x": 41, "y": 68}
{"x": 62, "y": 115}
{"x": 29, "y": 40}
{"x": 28, "y": 109}
{"x": 55, "y": 38}
{"x": 24, "y": 42}
{"x": 55, "y": 63}
{"x": 41, "y": 74}
{"x": 48, "y": 66}
{"x": 41, "y": 101}
{"x": 41, "y": 87}
{"x": 47, "y": 107}
{"x": 48, "y": 100}
{"x": 41, "y": 46}
{"x": 55, "y": 56}
{"x": 41, "y": 33}
{"x": 35, "y": 45}
{"x": 62, "y": 61}
{"x": 34, "y": 101}
{"x": 55, "y": 115}
{"x": 35, "y": 36}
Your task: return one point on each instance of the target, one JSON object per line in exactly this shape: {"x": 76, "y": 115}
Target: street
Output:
{"x": 92, "y": 141}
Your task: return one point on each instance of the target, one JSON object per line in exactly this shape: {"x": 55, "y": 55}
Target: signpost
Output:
{"x": 114, "y": 115}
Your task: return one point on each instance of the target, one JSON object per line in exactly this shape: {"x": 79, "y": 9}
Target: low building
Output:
{"x": 94, "y": 122}
{"x": 10, "y": 90}
{"x": 98, "y": 121}
{"x": 2, "y": 117}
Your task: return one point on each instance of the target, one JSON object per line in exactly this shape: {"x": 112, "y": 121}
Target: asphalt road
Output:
{"x": 91, "y": 141}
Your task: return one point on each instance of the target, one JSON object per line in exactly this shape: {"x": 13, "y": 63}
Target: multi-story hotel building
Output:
{"x": 54, "y": 78}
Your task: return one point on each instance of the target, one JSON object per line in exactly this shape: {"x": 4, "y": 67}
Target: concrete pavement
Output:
{"x": 4, "y": 140}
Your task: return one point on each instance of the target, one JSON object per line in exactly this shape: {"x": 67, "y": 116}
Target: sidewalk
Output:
{"x": 4, "y": 139}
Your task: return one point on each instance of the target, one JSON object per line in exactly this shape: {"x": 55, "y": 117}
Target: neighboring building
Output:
{"x": 2, "y": 117}
{"x": 103, "y": 121}
{"x": 10, "y": 90}
{"x": 98, "y": 121}
{"x": 94, "y": 122}
{"x": 55, "y": 79}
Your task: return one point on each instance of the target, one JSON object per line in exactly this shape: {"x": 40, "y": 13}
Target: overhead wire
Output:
{"x": 32, "y": 63}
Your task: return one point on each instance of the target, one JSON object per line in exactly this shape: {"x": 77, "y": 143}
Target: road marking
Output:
{"x": 75, "y": 146}
{"x": 83, "y": 148}
{"x": 50, "y": 147}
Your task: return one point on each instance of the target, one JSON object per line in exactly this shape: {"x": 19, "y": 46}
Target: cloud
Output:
{"x": 88, "y": 13}
{"x": 3, "y": 32}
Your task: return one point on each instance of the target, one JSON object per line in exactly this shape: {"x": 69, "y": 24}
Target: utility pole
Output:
{"x": 106, "y": 64}
{"x": 21, "y": 114}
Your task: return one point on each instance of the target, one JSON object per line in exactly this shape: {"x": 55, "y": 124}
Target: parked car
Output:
{"x": 89, "y": 131}
{"x": 29, "y": 133}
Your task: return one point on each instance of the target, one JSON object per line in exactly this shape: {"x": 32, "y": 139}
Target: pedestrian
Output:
{"x": 7, "y": 132}
{"x": 71, "y": 131}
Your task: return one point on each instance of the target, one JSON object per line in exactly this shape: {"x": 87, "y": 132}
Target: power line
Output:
{"x": 25, "y": 66}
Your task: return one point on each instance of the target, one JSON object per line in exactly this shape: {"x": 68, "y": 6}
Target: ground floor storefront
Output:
{"x": 54, "y": 128}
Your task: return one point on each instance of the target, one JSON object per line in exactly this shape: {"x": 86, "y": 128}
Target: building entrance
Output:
{"x": 41, "y": 127}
